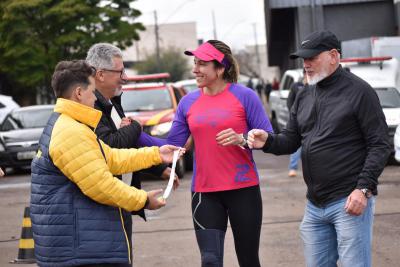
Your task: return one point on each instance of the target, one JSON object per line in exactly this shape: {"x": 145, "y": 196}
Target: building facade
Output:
{"x": 289, "y": 21}
{"x": 181, "y": 36}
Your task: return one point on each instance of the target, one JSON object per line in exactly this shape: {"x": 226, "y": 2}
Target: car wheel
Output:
{"x": 180, "y": 167}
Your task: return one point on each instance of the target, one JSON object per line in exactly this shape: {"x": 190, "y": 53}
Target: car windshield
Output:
{"x": 146, "y": 100}
{"x": 388, "y": 97}
{"x": 26, "y": 119}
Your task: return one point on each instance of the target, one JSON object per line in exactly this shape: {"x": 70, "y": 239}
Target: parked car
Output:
{"x": 396, "y": 142}
{"x": 154, "y": 104}
{"x": 187, "y": 85}
{"x": 278, "y": 111}
{"x": 6, "y": 105}
{"x": 20, "y": 133}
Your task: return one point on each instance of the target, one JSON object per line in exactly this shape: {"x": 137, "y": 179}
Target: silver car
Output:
{"x": 19, "y": 135}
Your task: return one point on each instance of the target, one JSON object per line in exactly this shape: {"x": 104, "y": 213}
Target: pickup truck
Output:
{"x": 278, "y": 111}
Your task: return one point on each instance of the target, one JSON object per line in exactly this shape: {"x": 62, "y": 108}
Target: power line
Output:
{"x": 184, "y": 2}
{"x": 233, "y": 27}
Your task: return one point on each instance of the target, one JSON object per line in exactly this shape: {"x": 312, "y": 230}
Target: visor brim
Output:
{"x": 306, "y": 53}
{"x": 200, "y": 55}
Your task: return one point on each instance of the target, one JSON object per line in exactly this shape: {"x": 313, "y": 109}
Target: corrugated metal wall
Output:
{"x": 298, "y": 3}
{"x": 289, "y": 21}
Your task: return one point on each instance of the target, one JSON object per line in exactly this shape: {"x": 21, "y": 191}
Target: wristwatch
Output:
{"x": 367, "y": 193}
{"x": 244, "y": 140}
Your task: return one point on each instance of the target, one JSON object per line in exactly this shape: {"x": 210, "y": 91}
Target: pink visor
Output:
{"x": 206, "y": 52}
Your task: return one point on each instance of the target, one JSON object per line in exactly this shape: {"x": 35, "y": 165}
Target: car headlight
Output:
{"x": 161, "y": 129}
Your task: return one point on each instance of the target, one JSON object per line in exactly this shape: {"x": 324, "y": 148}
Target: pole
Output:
{"x": 157, "y": 40}
{"x": 214, "y": 25}
{"x": 313, "y": 15}
{"x": 256, "y": 48}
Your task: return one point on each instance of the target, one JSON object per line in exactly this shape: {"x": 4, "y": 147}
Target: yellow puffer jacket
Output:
{"x": 75, "y": 150}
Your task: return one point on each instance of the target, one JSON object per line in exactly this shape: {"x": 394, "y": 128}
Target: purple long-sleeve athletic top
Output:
{"x": 216, "y": 167}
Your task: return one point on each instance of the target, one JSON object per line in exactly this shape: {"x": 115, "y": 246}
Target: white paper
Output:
{"x": 167, "y": 190}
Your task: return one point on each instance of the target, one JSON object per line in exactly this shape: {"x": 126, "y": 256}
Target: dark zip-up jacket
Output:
{"x": 343, "y": 133}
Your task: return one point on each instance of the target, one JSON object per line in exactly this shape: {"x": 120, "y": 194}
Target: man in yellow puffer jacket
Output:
{"x": 75, "y": 199}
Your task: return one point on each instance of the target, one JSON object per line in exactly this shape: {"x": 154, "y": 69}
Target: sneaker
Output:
{"x": 292, "y": 173}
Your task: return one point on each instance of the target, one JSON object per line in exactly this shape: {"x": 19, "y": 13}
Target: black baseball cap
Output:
{"x": 315, "y": 43}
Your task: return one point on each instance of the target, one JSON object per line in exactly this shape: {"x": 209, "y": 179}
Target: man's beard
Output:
{"x": 317, "y": 77}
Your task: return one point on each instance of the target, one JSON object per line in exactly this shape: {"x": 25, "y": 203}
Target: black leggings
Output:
{"x": 243, "y": 207}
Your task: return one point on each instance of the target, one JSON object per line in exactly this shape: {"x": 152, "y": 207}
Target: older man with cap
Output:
{"x": 340, "y": 125}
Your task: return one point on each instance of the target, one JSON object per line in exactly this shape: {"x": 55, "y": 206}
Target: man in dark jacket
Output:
{"x": 341, "y": 126}
{"x": 114, "y": 128}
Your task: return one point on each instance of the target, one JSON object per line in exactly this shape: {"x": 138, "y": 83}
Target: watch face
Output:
{"x": 367, "y": 193}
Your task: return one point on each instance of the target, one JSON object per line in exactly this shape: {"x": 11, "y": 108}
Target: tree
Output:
{"x": 172, "y": 61}
{"x": 246, "y": 63}
{"x": 36, "y": 34}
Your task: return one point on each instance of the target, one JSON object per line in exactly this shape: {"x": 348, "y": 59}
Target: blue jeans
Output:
{"x": 294, "y": 159}
{"x": 330, "y": 234}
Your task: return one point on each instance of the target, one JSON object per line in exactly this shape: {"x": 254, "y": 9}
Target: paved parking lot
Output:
{"x": 168, "y": 239}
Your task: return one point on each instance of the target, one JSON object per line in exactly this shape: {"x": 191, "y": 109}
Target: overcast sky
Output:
{"x": 234, "y": 19}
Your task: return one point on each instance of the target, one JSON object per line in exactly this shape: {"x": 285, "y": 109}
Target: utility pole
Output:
{"x": 137, "y": 51}
{"x": 313, "y": 15}
{"x": 256, "y": 48}
{"x": 157, "y": 39}
{"x": 214, "y": 26}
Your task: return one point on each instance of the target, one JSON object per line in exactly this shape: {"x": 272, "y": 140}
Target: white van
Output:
{"x": 382, "y": 73}
{"x": 397, "y": 144}
{"x": 377, "y": 71}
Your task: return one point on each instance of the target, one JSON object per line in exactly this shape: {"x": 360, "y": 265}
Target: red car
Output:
{"x": 154, "y": 104}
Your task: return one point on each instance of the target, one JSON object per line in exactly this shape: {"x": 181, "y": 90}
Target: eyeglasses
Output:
{"x": 93, "y": 70}
{"x": 121, "y": 72}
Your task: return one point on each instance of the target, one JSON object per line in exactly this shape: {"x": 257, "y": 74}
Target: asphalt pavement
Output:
{"x": 168, "y": 239}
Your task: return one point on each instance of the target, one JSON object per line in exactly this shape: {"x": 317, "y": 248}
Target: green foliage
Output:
{"x": 36, "y": 34}
{"x": 172, "y": 61}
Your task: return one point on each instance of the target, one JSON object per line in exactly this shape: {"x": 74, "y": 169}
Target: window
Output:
{"x": 388, "y": 97}
{"x": 288, "y": 82}
{"x": 178, "y": 95}
{"x": 146, "y": 100}
{"x": 27, "y": 118}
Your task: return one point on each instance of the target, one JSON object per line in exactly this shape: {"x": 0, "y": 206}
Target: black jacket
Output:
{"x": 125, "y": 137}
{"x": 343, "y": 133}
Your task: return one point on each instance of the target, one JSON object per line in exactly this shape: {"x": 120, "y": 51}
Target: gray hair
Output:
{"x": 101, "y": 55}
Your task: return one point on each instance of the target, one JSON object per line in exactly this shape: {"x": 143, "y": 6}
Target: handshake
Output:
{"x": 167, "y": 154}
